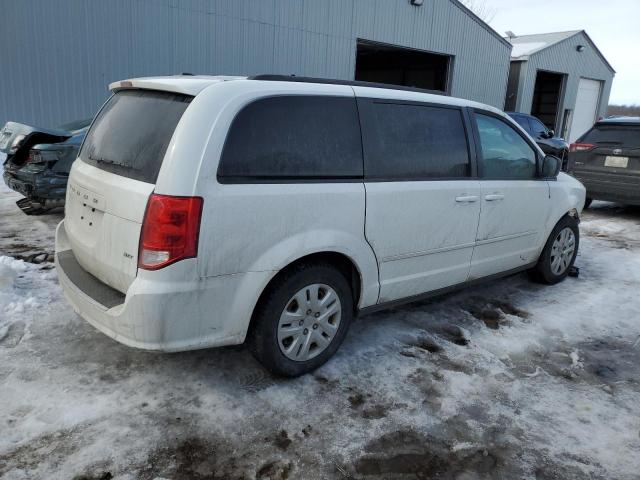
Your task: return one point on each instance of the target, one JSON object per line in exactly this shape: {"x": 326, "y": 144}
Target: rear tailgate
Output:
{"x": 110, "y": 185}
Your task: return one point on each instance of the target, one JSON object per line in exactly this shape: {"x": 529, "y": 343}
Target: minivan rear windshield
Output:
{"x": 130, "y": 135}
{"x": 624, "y": 135}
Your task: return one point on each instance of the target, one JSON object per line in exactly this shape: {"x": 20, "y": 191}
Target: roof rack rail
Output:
{"x": 332, "y": 81}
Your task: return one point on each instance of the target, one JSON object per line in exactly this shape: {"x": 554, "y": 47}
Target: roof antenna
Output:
{"x": 510, "y": 34}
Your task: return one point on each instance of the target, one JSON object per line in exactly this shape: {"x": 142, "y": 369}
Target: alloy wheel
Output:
{"x": 562, "y": 250}
{"x": 309, "y": 322}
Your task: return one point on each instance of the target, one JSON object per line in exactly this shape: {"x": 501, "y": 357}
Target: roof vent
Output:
{"x": 580, "y": 48}
{"x": 416, "y": 3}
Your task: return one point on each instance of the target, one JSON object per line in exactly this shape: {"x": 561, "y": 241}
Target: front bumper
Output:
{"x": 157, "y": 312}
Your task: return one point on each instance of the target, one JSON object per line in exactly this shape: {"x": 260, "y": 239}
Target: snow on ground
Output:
{"x": 510, "y": 380}
{"x": 24, "y": 236}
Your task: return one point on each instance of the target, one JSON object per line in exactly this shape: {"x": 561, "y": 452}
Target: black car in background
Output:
{"x": 545, "y": 138}
{"x": 38, "y": 162}
{"x": 606, "y": 160}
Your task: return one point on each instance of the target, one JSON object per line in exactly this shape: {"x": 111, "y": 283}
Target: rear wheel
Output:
{"x": 301, "y": 320}
{"x": 559, "y": 253}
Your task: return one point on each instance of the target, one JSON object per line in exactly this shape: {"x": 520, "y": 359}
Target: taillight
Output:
{"x": 170, "y": 230}
{"x": 581, "y": 147}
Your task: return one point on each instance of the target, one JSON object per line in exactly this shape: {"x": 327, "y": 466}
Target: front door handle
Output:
{"x": 494, "y": 197}
{"x": 467, "y": 199}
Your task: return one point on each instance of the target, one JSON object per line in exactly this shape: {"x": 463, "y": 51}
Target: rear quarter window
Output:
{"x": 293, "y": 138}
{"x": 130, "y": 135}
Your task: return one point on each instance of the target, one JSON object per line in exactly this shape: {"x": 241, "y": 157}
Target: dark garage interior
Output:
{"x": 546, "y": 97}
{"x": 376, "y": 62}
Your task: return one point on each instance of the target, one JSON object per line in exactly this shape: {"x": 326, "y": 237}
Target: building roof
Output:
{"x": 619, "y": 121}
{"x": 526, "y": 45}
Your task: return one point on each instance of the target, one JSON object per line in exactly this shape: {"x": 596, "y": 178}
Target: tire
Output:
{"x": 587, "y": 202}
{"x": 548, "y": 270}
{"x": 285, "y": 355}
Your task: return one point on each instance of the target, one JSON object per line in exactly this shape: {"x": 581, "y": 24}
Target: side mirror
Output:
{"x": 551, "y": 166}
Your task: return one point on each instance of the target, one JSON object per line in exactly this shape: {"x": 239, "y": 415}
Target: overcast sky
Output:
{"x": 614, "y": 26}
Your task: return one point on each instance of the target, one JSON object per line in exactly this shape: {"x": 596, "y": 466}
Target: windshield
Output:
{"x": 130, "y": 135}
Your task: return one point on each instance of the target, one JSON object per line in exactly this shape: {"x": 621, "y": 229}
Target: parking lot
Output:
{"x": 510, "y": 380}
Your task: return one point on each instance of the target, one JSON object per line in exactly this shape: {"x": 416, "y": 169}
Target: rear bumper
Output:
{"x": 611, "y": 187}
{"x": 45, "y": 185}
{"x": 161, "y": 315}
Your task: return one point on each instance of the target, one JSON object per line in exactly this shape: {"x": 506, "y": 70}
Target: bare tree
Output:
{"x": 481, "y": 9}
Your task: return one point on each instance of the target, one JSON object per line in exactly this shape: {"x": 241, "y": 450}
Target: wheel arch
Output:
{"x": 343, "y": 262}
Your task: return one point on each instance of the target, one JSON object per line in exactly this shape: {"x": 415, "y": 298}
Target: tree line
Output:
{"x": 624, "y": 110}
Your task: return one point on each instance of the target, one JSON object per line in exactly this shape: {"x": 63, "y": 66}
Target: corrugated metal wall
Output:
{"x": 59, "y": 56}
{"x": 564, "y": 58}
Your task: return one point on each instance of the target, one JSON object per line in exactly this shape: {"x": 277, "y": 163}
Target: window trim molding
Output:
{"x": 284, "y": 179}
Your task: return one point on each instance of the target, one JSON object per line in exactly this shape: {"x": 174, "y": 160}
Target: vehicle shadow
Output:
{"x": 599, "y": 209}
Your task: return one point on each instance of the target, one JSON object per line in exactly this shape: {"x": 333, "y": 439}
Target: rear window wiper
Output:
{"x": 113, "y": 162}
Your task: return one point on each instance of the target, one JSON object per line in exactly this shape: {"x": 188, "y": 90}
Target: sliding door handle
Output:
{"x": 467, "y": 199}
{"x": 494, "y": 197}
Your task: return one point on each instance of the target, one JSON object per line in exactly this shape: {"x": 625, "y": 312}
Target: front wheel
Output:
{"x": 301, "y": 320}
{"x": 559, "y": 253}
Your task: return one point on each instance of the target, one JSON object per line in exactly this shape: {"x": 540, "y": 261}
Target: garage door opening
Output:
{"x": 546, "y": 97}
{"x": 381, "y": 63}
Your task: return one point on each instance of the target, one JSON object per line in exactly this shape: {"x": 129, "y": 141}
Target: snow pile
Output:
{"x": 25, "y": 291}
{"x": 14, "y": 300}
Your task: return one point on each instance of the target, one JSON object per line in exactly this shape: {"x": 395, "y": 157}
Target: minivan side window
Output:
{"x": 414, "y": 142}
{"x": 504, "y": 153}
{"x": 289, "y": 138}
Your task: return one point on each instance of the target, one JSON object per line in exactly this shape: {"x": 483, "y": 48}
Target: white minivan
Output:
{"x": 206, "y": 211}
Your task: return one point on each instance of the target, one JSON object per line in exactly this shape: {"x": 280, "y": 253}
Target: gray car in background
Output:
{"x": 606, "y": 160}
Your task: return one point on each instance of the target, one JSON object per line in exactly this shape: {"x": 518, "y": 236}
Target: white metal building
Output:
{"x": 561, "y": 78}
